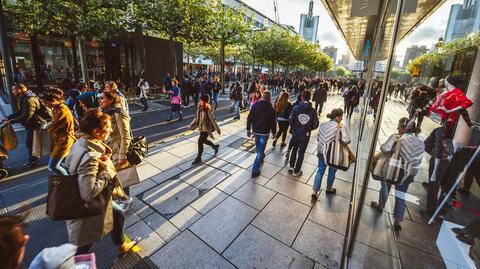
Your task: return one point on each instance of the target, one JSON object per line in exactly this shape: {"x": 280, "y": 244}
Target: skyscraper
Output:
{"x": 413, "y": 52}
{"x": 463, "y": 20}
{"x": 331, "y": 52}
{"x": 309, "y": 25}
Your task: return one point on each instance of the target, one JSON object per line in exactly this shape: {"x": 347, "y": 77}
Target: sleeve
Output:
{"x": 123, "y": 125}
{"x": 250, "y": 118}
{"x": 273, "y": 120}
{"x": 90, "y": 181}
{"x": 146, "y": 86}
{"x": 27, "y": 112}
{"x": 344, "y": 134}
{"x": 293, "y": 115}
{"x": 388, "y": 145}
{"x": 315, "y": 121}
{"x": 214, "y": 122}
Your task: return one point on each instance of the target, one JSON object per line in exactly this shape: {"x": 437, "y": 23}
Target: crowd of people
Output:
{"x": 91, "y": 135}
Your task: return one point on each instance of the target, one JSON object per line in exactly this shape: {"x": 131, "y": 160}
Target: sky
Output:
{"x": 290, "y": 10}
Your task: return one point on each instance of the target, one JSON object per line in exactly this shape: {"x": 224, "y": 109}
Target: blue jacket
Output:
{"x": 303, "y": 120}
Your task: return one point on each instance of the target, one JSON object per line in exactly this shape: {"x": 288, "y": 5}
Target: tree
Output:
{"x": 341, "y": 71}
{"x": 396, "y": 74}
{"x": 273, "y": 47}
{"x": 178, "y": 20}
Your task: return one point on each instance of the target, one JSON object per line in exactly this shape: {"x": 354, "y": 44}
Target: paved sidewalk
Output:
{"x": 215, "y": 216}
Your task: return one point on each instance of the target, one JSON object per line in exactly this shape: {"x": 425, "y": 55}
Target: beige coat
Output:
{"x": 91, "y": 182}
{"x": 121, "y": 137}
{"x": 205, "y": 122}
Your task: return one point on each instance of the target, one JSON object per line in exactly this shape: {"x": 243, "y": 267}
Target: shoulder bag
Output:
{"x": 391, "y": 167}
{"x": 65, "y": 203}
{"x": 337, "y": 154}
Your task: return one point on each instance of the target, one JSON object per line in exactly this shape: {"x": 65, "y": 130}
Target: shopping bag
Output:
{"x": 9, "y": 138}
{"x": 391, "y": 167}
{"x": 41, "y": 143}
{"x": 128, "y": 176}
{"x": 337, "y": 154}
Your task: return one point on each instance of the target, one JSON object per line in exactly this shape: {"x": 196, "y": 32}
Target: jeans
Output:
{"x": 283, "y": 129}
{"x": 117, "y": 233}
{"x": 399, "y": 209}
{"x": 322, "y": 166}
{"x": 144, "y": 102}
{"x": 55, "y": 165}
{"x": 215, "y": 99}
{"x": 236, "y": 105}
{"x": 203, "y": 139}
{"x": 29, "y": 143}
{"x": 260, "y": 144}
{"x": 299, "y": 146}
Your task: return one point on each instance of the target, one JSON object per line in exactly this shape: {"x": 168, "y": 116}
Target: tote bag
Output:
{"x": 391, "y": 167}
{"x": 176, "y": 100}
{"x": 128, "y": 176}
{"x": 337, "y": 154}
{"x": 42, "y": 144}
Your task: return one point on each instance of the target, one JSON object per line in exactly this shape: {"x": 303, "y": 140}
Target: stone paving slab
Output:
{"x": 254, "y": 195}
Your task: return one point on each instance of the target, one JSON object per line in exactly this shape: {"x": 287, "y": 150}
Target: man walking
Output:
{"x": 262, "y": 120}
{"x": 237, "y": 97}
{"x": 320, "y": 97}
{"x": 31, "y": 114}
{"x": 303, "y": 120}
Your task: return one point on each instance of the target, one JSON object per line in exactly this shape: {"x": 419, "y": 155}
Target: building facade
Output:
{"x": 309, "y": 25}
{"x": 414, "y": 52}
{"x": 332, "y": 53}
{"x": 463, "y": 20}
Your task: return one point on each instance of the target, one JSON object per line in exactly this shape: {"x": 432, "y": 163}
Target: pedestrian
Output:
{"x": 320, "y": 97}
{"x": 353, "y": 100}
{"x": 237, "y": 97}
{"x": 32, "y": 114}
{"x": 144, "y": 89}
{"x": 216, "y": 87}
{"x": 303, "y": 121}
{"x": 111, "y": 86}
{"x": 326, "y": 135}
{"x": 261, "y": 120}
{"x": 61, "y": 129}
{"x": 120, "y": 136}
{"x": 90, "y": 160}
{"x": 205, "y": 122}
{"x": 417, "y": 103}
{"x": 283, "y": 109}
{"x": 346, "y": 99}
{"x": 167, "y": 82}
{"x": 411, "y": 150}
{"x": 205, "y": 87}
{"x": 176, "y": 101}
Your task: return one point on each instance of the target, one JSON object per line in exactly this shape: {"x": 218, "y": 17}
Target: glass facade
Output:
{"x": 56, "y": 62}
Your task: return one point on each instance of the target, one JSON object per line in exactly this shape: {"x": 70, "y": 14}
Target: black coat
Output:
{"x": 29, "y": 112}
{"x": 262, "y": 119}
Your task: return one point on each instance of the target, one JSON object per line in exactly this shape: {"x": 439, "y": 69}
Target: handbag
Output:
{"x": 128, "y": 176}
{"x": 391, "y": 167}
{"x": 137, "y": 150}
{"x": 42, "y": 144}
{"x": 9, "y": 138}
{"x": 176, "y": 100}
{"x": 65, "y": 203}
{"x": 337, "y": 154}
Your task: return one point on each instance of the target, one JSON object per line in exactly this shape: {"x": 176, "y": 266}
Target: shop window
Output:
{"x": 23, "y": 70}
{"x": 56, "y": 56}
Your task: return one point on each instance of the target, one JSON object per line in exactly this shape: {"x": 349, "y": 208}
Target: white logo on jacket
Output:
{"x": 303, "y": 118}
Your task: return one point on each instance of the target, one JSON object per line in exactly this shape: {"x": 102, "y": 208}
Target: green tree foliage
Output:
{"x": 341, "y": 71}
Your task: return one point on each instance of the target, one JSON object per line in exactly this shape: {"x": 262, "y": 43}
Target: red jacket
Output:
{"x": 450, "y": 100}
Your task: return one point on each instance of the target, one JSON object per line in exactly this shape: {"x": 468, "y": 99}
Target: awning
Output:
{"x": 357, "y": 19}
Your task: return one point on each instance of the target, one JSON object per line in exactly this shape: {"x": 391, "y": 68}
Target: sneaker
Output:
{"x": 283, "y": 145}
{"x": 255, "y": 174}
{"x": 31, "y": 163}
{"x": 287, "y": 156}
{"x": 216, "y": 147}
{"x": 298, "y": 174}
{"x": 376, "y": 206}
{"x": 314, "y": 195}
{"x": 197, "y": 161}
{"x": 126, "y": 204}
{"x": 290, "y": 170}
{"x": 274, "y": 144}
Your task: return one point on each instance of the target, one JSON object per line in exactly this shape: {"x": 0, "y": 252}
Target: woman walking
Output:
{"x": 216, "y": 87}
{"x": 283, "y": 109}
{"x": 61, "y": 129}
{"x": 89, "y": 159}
{"x": 120, "y": 137}
{"x": 326, "y": 135}
{"x": 176, "y": 101}
{"x": 353, "y": 100}
{"x": 144, "y": 88}
{"x": 206, "y": 124}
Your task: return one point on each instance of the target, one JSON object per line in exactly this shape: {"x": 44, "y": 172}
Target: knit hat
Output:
{"x": 205, "y": 98}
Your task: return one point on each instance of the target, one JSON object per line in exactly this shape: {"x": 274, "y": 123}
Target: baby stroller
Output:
{"x": 9, "y": 142}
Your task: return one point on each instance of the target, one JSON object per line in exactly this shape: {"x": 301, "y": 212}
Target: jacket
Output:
{"x": 121, "y": 135}
{"x": 61, "y": 130}
{"x": 320, "y": 95}
{"x": 327, "y": 133}
{"x": 144, "y": 88}
{"x": 262, "y": 118}
{"x": 205, "y": 121}
{"x": 411, "y": 149}
{"x": 91, "y": 181}
{"x": 303, "y": 120}
{"x": 237, "y": 94}
{"x": 217, "y": 86}
{"x": 284, "y": 115}
{"x": 28, "y": 113}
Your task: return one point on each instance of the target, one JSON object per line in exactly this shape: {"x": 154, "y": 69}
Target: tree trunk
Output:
{"x": 222, "y": 64}
{"x": 173, "y": 53}
{"x": 36, "y": 63}
{"x": 75, "y": 59}
{"x": 139, "y": 54}
{"x": 83, "y": 59}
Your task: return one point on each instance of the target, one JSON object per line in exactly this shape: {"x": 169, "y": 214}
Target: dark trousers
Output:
{"x": 434, "y": 186}
{"x": 203, "y": 139}
{"x": 350, "y": 110}
{"x": 299, "y": 146}
{"x": 144, "y": 102}
{"x": 319, "y": 106}
{"x": 283, "y": 129}
{"x": 29, "y": 143}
